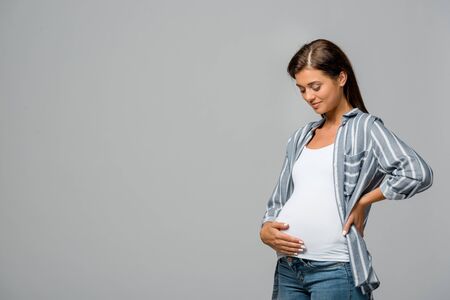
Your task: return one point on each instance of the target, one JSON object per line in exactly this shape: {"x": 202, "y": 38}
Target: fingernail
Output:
{"x": 344, "y": 232}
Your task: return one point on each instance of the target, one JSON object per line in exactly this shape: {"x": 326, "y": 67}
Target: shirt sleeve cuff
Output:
{"x": 267, "y": 219}
{"x": 388, "y": 193}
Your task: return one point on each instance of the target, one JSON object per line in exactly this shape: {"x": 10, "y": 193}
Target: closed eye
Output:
{"x": 316, "y": 89}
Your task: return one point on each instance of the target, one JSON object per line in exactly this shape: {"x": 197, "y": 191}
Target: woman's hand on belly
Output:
{"x": 272, "y": 236}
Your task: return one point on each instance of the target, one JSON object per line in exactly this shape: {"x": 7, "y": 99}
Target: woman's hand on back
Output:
{"x": 356, "y": 218}
{"x": 281, "y": 242}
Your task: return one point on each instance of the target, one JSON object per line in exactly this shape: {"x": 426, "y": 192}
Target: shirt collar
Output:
{"x": 351, "y": 113}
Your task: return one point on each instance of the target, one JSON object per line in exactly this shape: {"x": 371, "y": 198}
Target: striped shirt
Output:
{"x": 366, "y": 155}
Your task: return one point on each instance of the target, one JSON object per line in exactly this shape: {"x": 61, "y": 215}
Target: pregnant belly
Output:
{"x": 319, "y": 227}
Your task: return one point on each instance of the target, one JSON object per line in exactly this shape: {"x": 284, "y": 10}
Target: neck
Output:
{"x": 334, "y": 116}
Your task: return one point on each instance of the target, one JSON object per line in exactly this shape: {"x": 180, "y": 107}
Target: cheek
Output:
{"x": 323, "y": 94}
{"x": 326, "y": 94}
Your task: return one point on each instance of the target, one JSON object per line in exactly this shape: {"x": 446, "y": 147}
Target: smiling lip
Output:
{"x": 315, "y": 105}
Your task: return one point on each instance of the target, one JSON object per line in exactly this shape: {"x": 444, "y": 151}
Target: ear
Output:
{"x": 342, "y": 78}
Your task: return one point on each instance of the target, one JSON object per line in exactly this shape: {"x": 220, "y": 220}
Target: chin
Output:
{"x": 319, "y": 111}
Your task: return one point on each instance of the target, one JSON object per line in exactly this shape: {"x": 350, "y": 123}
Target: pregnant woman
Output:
{"x": 334, "y": 170}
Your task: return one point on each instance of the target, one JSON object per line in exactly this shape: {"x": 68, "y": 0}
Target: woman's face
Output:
{"x": 321, "y": 92}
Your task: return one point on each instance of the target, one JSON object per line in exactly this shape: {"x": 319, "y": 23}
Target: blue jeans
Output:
{"x": 300, "y": 279}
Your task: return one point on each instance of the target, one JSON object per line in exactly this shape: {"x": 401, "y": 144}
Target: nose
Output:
{"x": 309, "y": 97}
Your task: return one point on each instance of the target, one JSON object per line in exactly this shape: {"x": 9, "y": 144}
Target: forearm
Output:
{"x": 372, "y": 196}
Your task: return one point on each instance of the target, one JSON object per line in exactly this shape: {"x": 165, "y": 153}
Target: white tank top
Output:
{"x": 311, "y": 211}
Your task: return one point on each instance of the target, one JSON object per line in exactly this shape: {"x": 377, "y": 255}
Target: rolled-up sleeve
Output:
{"x": 276, "y": 201}
{"x": 407, "y": 173}
{"x": 277, "y": 198}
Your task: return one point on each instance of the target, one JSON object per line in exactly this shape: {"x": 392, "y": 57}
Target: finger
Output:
{"x": 346, "y": 228}
{"x": 287, "y": 253}
{"x": 280, "y": 225}
{"x": 296, "y": 246}
{"x": 290, "y": 250}
{"x": 289, "y": 238}
{"x": 279, "y": 244}
{"x": 358, "y": 228}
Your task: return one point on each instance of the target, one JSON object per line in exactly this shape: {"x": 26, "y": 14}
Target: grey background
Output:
{"x": 140, "y": 141}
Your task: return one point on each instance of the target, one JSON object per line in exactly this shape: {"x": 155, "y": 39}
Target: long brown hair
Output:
{"x": 324, "y": 55}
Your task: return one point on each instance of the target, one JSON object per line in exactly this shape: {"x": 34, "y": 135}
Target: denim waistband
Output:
{"x": 310, "y": 263}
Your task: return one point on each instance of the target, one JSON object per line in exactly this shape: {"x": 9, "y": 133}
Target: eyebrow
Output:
{"x": 311, "y": 83}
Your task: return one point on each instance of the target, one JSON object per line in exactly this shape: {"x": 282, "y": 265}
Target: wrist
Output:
{"x": 364, "y": 201}
{"x": 371, "y": 197}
